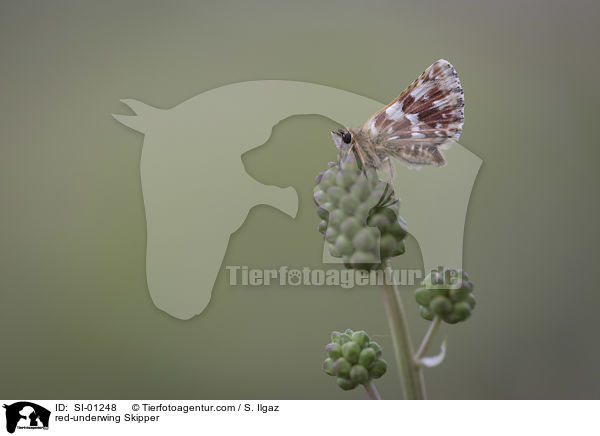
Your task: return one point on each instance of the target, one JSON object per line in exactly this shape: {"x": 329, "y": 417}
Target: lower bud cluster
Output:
{"x": 447, "y": 294}
{"x": 354, "y": 359}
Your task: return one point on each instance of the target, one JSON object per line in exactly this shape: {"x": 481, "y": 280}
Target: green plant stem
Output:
{"x": 433, "y": 327}
{"x": 372, "y": 390}
{"x": 411, "y": 373}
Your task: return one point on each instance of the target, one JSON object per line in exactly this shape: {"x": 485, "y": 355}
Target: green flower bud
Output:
{"x": 377, "y": 348}
{"x": 349, "y": 204}
{"x": 359, "y": 374}
{"x": 335, "y": 336}
{"x": 346, "y": 384}
{"x": 440, "y": 305}
{"x": 367, "y": 356}
{"x": 388, "y": 246}
{"x": 350, "y": 226}
{"x": 439, "y": 292}
{"x": 334, "y": 350}
{"x": 335, "y": 218}
{"x": 381, "y": 221}
{"x": 364, "y": 260}
{"x": 361, "y": 338}
{"x": 328, "y": 178}
{"x": 328, "y": 366}
{"x": 343, "y": 245}
{"x": 343, "y": 338}
{"x": 459, "y": 294}
{"x": 378, "y": 369}
{"x": 422, "y": 296}
{"x": 471, "y": 301}
{"x": 323, "y": 211}
{"x": 322, "y": 226}
{"x": 334, "y": 195}
{"x": 320, "y": 197}
{"x": 345, "y": 179}
{"x": 451, "y": 318}
{"x": 365, "y": 240}
{"x": 350, "y": 351}
{"x": 462, "y": 310}
{"x": 360, "y": 190}
{"x": 341, "y": 367}
{"x": 426, "y": 313}
{"x": 331, "y": 234}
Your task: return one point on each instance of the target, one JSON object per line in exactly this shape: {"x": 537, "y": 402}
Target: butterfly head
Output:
{"x": 342, "y": 138}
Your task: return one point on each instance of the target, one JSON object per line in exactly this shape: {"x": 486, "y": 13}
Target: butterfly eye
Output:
{"x": 347, "y": 137}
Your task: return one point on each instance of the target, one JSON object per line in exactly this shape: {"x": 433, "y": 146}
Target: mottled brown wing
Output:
{"x": 426, "y": 117}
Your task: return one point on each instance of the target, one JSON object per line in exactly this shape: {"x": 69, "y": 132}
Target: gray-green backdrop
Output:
{"x": 75, "y": 314}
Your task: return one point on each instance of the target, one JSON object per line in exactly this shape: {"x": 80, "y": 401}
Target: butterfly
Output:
{"x": 426, "y": 118}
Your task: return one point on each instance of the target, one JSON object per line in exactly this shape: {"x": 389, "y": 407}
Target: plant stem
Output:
{"x": 435, "y": 323}
{"x": 411, "y": 374}
{"x": 372, "y": 390}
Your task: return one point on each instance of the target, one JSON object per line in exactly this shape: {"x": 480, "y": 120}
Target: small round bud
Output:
{"x": 331, "y": 234}
{"x": 322, "y": 227}
{"x": 320, "y": 197}
{"x": 335, "y": 218}
{"x": 334, "y": 350}
{"x": 388, "y": 245}
{"x": 440, "y": 305}
{"x": 360, "y": 190}
{"x": 462, "y": 310}
{"x": 345, "y": 179}
{"x": 378, "y": 369}
{"x": 364, "y": 260}
{"x": 323, "y": 211}
{"x": 359, "y": 374}
{"x": 471, "y": 301}
{"x": 439, "y": 292}
{"x": 381, "y": 222}
{"x": 364, "y": 240}
{"x": 328, "y": 177}
{"x": 426, "y": 313}
{"x": 350, "y": 227}
{"x": 350, "y": 351}
{"x": 367, "y": 356}
{"x": 377, "y": 348}
{"x": 349, "y": 204}
{"x": 328, "y": 366}
{"x": 346, "y": 384}
{"x": 459, "y": 294}
{"x": 334, "y": 195}
{"x": 361, "y": 338}
{"x": 422, "y": 297}
{"x": 343, "y": 245}
{"x": 452, "y": 318}
{"x": 343, "y": 338}
{"x": 341, "y": 367}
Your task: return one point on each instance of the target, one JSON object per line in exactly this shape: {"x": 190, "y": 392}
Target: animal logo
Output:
{"x": 197, "y": 193}
{"x": 26, "y": 415}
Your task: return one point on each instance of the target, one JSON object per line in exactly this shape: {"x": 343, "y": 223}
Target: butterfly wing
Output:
{"x": 426, "y": 118}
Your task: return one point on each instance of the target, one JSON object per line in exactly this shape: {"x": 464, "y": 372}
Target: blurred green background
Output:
{"x": 75, "y": 312}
